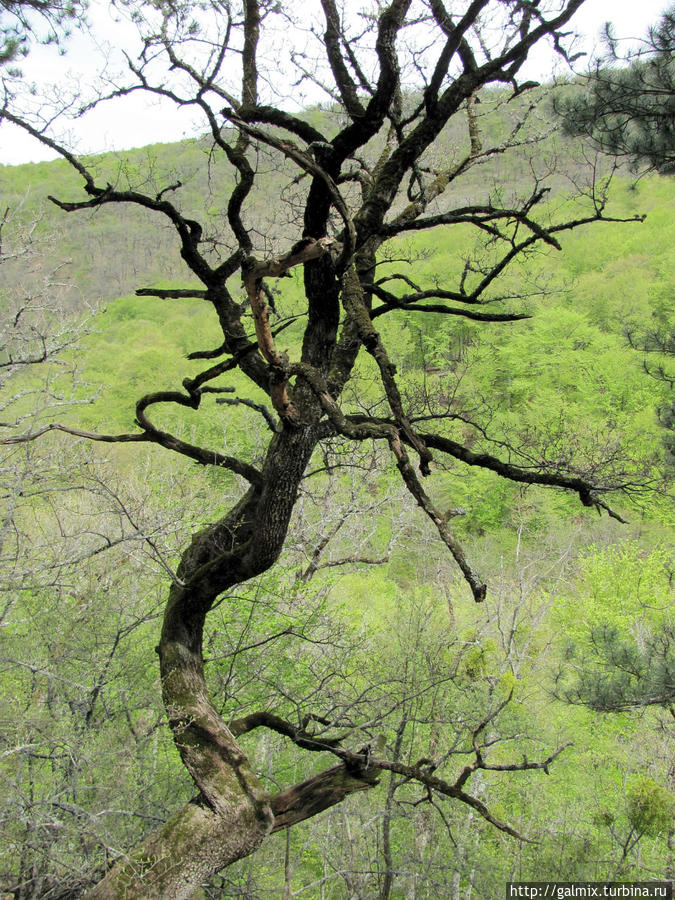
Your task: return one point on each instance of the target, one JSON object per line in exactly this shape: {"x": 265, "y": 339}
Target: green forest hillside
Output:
{"x": 555, "y": 695}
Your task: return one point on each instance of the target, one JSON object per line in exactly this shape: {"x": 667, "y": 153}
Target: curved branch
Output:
{"x": 474, "y": 215}
{"x": 450, "y": 311}
{"x": 269, "y": 115}
{"x": 355, "y": 306}
{"x": 76, "y": 432}
{"x": 173, "y": 294}
{"x": 343, "y": 79}
{"x": 587, "y": 490}
{"x": 53, "y": 145}
{"x": 432, "y": 783}
{"x": 367, "y": 428}
{"x": 455, "y": 41}
{"x": 189, "y": 231}
{"x": 299, "y": 736}
{"x": 518, "y": 248}
{"x": 171, "y": 442}
{"x": 150, "y": 434}
{"x": 272, "y": 423}
{"x": 365, "y": 126}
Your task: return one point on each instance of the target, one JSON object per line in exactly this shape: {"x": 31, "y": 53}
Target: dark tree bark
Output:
{"x": 366, "y": 183}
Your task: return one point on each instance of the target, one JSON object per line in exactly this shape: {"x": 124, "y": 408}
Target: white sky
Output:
{"x": 136, "y": 121}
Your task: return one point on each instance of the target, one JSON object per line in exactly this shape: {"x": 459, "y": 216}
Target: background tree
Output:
{"x": 23, "y": 21}
{"x": 619, "y": 672}
{"x": 353, "y": 187}
{"x": 627, "y": 110}
{"x": 628, "y": 106}
{"x": 658, "y": 346}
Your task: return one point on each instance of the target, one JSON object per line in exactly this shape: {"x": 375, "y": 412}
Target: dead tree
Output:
{"x": 396, "y": 75}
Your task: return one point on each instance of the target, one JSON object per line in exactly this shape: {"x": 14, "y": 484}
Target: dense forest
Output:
{"x": 528, "y": 737}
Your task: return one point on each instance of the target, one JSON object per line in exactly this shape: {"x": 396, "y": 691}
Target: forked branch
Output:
{"x": 253, "y": 272}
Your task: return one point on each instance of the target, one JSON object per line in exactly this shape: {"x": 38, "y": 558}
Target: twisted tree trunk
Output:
{"x": 232, "y": 814}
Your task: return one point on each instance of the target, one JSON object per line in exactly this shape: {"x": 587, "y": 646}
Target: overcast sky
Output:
{"x": 136, "y": 121}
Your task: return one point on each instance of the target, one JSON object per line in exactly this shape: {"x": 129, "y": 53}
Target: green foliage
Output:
{"x": 651, "y": 808}
{"x": 623, "y": 672}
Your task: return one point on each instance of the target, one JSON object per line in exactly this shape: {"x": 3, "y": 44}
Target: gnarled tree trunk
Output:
{"x": 232, "y": 814}
{"x": 382, "y": 146}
